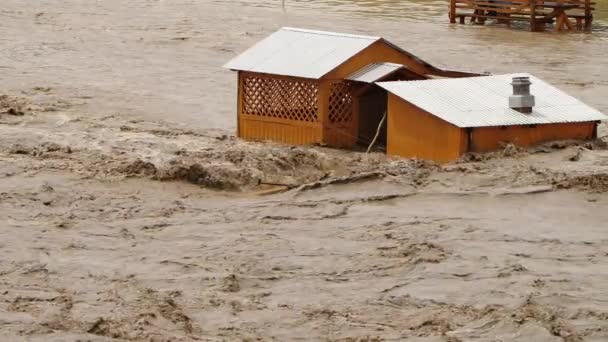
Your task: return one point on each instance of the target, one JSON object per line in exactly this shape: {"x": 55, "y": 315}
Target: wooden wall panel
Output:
{"x": 414, "y": 133}
{"x": 379, "y": 52}
{"x": 252, "y": 128}
{"x": 382, "y": 52}
{"x": 486, "y": 139}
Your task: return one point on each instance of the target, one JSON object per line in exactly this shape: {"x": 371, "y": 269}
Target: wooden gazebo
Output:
{"x": 566, "y": 14}
{"x": 301, "y": 86}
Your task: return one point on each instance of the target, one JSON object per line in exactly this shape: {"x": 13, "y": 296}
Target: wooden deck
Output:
{"x": 570, "y": 15}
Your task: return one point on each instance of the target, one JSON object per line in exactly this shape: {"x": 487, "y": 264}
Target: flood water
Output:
{"x": 117, "y": 94}
{"x": 424, "y": 10}
{"x": 120, "y": 50}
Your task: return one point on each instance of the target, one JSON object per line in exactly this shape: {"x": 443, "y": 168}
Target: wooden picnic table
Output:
{"x": 537, "y": 12}
{"x": 559, "y": 14}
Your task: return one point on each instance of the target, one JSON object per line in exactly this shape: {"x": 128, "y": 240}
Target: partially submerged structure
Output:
{"x": 302, "y": 86}
{"x": 442, "y": 119}
{"x": 565, "y": 14}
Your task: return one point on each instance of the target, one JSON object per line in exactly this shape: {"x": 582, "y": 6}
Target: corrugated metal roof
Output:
{"x": 374, "y": 72}
{"x": 484, "y": 101}
{"x": 300, "y": 53}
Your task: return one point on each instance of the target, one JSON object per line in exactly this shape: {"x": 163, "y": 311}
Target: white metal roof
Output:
{"x": 484, "y": 101}
{"x": 300, "y": 53}
{"x": 374, "y": 72}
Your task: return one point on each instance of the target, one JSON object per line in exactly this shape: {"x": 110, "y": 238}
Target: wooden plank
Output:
{"x": 511, "y": 18}
{"x": 452, "y": 11}
{"x": 533, "y": 24}
{"x": 239, "y": 103}
{"x": 588, "y": 17}
{"x": 280, "y": 121}
{"x": 560, "y": 23}
{"x": 324, "y": 92}
{"x": 568, "y": 23}
{"x": 579, "y": 24}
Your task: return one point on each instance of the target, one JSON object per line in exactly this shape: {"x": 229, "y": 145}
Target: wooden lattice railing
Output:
{"x": 341, "y": 103}
{"x": 281, "y": 98}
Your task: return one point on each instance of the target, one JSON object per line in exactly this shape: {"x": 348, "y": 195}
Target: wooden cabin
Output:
{"x": 443, "y": 119}
{"x": 313, "y": 87}
{"x": 303, "y": 87}
{"x": 565, "y": 14}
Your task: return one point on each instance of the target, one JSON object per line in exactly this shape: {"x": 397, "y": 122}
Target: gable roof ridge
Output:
{"x": 329, "y": 33}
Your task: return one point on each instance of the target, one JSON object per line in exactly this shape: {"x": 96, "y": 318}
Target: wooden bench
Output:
{"x": 537, "y": 12}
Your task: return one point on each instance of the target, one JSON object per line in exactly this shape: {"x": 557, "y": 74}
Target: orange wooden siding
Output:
{"x": 486, "y": 139}
{"x": 414, "y": 133}
{"x": 379, "y": 51}
{"x": 285, "y": 131}
{"x": 302, "y": 111}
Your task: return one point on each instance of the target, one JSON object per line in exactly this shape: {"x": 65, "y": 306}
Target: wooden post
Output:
{"x": 239, "y": 103}
{"x": 453, "y": 11}
{"x": 354, "y": 126}
{"x": 588, "y": 16}
{"x": 324, "y": 90}
{"x": 567, "y": 22}
{"x": 533, "y": 23}
{"x": 559, "y": 25}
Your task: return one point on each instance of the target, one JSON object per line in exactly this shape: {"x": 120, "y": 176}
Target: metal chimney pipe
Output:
{"x": 521, "y": 100}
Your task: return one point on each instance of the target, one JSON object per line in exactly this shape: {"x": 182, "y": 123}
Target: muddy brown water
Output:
{"x": 424, "y": 10}
{"x": 167, "y": 56}
{"x": 116, "y": 151}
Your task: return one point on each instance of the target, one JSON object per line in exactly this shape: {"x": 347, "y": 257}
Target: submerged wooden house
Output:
{"x": 441, "y": 120}
{"x": 302, "y": 86}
